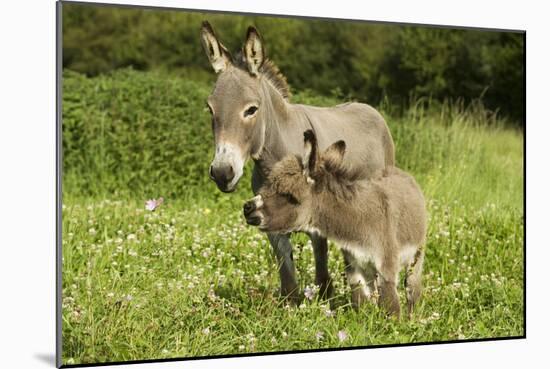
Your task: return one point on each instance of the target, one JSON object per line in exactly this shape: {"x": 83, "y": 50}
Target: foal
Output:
{"x": 379, "y": 221}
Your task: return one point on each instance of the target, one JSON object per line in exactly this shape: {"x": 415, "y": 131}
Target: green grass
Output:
{"x": 191, "y": 279}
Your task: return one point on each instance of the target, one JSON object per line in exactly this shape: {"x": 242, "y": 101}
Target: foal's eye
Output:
{"x": 210, "y": 109}
{"x": 250, "y": 111}
{"x": 291, "y": 198}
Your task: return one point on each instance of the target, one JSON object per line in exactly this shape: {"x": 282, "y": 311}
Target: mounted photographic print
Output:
{"x": 236, "y": 184}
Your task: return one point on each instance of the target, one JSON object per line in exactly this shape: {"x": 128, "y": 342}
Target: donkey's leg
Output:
{"x": 413, "y": 280}
{"x": 388, "y": 276}
{"x": 355, "y": 279}
{"x": 287, "y": 271}
{"x": 322, "y": 275}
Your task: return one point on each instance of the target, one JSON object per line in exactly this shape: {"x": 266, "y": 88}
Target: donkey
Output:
{"x": 380, "y": 221}
{"x": 252, "y": 117}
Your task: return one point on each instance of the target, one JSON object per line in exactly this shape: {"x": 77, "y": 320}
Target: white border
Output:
{"x": 27, "y": 148}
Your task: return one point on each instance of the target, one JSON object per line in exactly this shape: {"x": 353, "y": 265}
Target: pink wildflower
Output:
{"x": 152, "y": 204}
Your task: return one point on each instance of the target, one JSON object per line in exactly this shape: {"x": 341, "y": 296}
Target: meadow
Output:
{"x": 192, "y": 279}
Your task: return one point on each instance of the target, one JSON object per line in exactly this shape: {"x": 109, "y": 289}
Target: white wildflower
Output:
{"x": 342, "y": 336}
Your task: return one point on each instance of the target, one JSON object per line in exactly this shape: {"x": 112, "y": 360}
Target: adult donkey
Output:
{"x": 252, "y": 117}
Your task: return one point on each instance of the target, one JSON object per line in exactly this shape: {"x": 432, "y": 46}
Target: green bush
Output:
{"x": 143, "y": 134}
{"x": 135, "y": 132}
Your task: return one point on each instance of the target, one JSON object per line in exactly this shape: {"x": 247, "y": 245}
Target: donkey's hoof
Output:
{"x": 326, "y": 291}
{"x": 394, "y": 312}
{"x": 294, "y": 297}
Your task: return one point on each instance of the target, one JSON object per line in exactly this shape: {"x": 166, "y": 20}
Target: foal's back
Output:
{"x": 404, "y": 205}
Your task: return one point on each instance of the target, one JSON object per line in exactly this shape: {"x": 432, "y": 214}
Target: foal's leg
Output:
{"x": 413, "y": 280}
{"x": 322, "y": 276}
{"x": 287, "y": 271}
{"x": 371, "y": 281}
{"x": 355, "y": 279}
{"x": 388, "y": 276}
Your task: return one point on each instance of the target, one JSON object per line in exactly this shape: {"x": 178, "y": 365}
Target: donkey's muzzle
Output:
{"x": 222, "y": 175}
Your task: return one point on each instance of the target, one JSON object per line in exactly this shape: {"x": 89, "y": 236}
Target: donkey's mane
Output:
{"x": 277, "y": 79}
{"x": 270, "y": 71}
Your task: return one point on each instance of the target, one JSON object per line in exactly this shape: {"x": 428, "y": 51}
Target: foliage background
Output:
{"x": 364, "y": 61}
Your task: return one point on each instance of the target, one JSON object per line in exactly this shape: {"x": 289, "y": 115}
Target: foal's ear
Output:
{"x": 310, "y": 159}
{"x": 334, "y": 154}
{"x": 217, "y": 54}
{"x": 253, "y": 51}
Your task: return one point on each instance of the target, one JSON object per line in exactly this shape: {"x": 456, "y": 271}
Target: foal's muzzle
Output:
{"x": 251, "y": 213}
{"x": 249, "y": 207}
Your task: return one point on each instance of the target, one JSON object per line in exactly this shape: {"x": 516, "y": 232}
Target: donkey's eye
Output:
{"x": 291, "y": 198}
{"x": 250, "y": 111}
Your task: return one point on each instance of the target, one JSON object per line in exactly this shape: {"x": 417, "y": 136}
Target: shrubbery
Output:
{"x": 147, "y": 134}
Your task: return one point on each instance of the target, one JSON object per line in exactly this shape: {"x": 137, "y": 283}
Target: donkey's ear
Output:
{"x": 334, "y": 154}
{"x": 310, "y": 159}
{"x": 217, "y": 54}
{"x": 253, "y": 51}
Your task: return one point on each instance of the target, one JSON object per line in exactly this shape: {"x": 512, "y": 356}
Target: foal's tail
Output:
{"x": 389, "y": 149}
{"x": 413, "y": 280}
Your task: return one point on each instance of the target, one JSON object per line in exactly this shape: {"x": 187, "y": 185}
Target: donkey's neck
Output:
{"x": 283, "y": 126}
